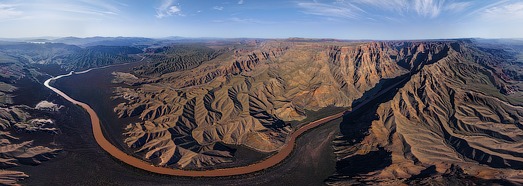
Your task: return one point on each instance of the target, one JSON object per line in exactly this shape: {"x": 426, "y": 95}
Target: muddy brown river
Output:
{"x": 284, "y": 152}
{"x": 273, "y": 160}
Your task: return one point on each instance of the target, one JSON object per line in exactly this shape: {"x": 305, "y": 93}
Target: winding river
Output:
{"x": 285, "y": 151}
{"x": 273, "y": 160}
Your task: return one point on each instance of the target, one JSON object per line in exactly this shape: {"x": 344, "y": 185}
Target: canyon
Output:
{"x": 457, "y": 108}
{"x": 408, "y": 112}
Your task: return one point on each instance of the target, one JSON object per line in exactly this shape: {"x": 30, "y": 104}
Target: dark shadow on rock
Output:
{"x": 453, "y": 176}
{"x": 355, "y": 127}
{"x": 362, "y": 164}
{"x": 356, "y": 123}
{"x": 428, "y": 172}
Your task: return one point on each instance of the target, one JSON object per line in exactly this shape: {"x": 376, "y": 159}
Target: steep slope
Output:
{"x": 26, "y": 133}
{"x": 449, "y": 113}
{"x": 175, "y": 58}
{"x": 11, "y": 177}
{"x": 97, "y": 56}
{"x": 247, "y": 94}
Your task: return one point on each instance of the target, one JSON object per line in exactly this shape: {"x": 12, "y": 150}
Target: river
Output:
{"x": 273, "y": 160}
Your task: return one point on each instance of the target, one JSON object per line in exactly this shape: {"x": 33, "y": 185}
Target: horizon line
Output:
{"x": 232, "y": 38}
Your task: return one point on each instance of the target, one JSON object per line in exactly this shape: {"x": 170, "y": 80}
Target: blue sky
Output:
{"x": 343, "y": 19}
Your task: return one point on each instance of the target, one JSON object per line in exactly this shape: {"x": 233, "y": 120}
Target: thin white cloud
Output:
{"x": 80, "y": 9}
{"x": 235, "y": 19}
{"x": 174, "y": 10}
{"x": 220, "y": 8}
{"x": 254, "y": 21}
{"x": 458, "y": 6}
{"x": 510, "y": 11}
{"x": 242, "y": 20}
{"x": 167, "y": 8}
{"x": 88, "y": 7}
{"x": 88, "y": 10}
{"x": 385, "y": 9}
{"x": 487, "y": 6}
{"x": 424, "y": 8}
{"x": 9, "y": 11}
{"x": 104, "y": 6}
{"x": 428, "y": 8}
{"x": 57, "y": 10}
{"x": 241, "y": 2}
{"x": 398, "y": 6}
{"x": 330, "y": 10}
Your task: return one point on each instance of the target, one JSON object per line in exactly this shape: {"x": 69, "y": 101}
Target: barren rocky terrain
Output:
{"x": 457, "y": 114}
{"x": 26, "y": 132}
{"x": 28, "y": 124}
{"x": 457, "y": 109}
{"x": 245, "y": 94}
{"x": 452, "y": 112}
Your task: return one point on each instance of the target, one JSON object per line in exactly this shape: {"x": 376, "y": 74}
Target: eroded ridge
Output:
{"x": 246, "y": 95}
{"x": 450, "y": 120}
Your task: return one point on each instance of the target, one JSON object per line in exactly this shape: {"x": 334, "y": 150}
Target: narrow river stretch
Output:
{"x": 284, "y": 152}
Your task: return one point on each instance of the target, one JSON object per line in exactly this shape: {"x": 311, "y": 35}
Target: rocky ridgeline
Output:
{"x": 451, "y": 112}
{"x": 247, "y": 94}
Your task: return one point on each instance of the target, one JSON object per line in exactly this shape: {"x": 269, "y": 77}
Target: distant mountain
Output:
{"x": 28, "y": 39}
{"x": 70, "y": 57}
{"x": 106, "y": 41}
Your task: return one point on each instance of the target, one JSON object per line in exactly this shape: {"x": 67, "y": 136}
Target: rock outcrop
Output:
{"x": 11, "y": 178}
{"x": 247, "y": 94}
{"x": 451, "y": 112}
{"x": 15, "y": 149}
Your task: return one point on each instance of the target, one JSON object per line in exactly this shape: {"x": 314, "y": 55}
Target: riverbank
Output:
{"x": 135, "y": 162}
{"x": 138, "y": 163}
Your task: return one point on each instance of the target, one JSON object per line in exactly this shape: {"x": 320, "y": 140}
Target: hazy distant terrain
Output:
{"x": 454, "y": 111}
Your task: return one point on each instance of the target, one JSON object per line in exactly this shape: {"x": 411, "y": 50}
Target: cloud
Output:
{"x": 57, "y": 10}
{"x": 242, "y": 20}
{"x": 423, "y": 8}
{"x": 253, "y": 21}
{"x": 385, "y": 9}
{"x": 331, "y": 10}
{"x": 88, "y": 7}
{"x": 394, "y": 5}
{"x": 220, "y": 8}
{"x": 458, "y": 7}
{"x": 508, "y": 11}
{"x": 428, "y": 8}
{"x": 8, "y": 11}
{"x": 79, "y": 9}
{"x": 167, "y": 9}
{"x": 174, "y": 10}
{"x": 104, "y": 6}
{"x": 240, "y": 2}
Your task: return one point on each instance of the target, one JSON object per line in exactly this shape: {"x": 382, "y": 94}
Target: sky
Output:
{"x": 340, "y": 19}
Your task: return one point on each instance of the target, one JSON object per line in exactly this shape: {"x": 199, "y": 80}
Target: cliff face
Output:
{"x": 246, "y": 94}
{"x": 451, "y": 112}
